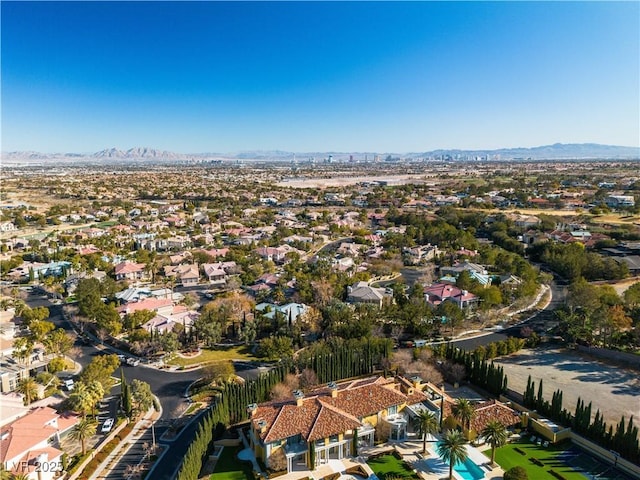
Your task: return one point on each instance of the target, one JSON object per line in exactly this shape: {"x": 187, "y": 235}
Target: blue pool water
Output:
{"x": 469, "y": 470}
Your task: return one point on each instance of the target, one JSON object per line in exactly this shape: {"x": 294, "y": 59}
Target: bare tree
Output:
{"x": 308, "y": 378}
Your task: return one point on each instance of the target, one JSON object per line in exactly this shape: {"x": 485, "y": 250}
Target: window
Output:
{"x": 295, "y": 440}
{"x": 333, "y": 438}
{"x": 393, "y": 410}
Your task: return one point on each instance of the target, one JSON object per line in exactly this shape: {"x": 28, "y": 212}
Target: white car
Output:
{"x": 107, "y": 425}
{"x": 134, "y": 362}
{"x": 68, "y": 384}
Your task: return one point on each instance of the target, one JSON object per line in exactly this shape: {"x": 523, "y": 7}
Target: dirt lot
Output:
{"x": 614, "y": 390}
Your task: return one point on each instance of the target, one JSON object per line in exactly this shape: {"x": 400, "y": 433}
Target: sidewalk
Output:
{"x": 139, "y": 430}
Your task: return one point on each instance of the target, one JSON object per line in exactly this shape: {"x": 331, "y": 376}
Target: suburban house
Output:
{"x": 31, "y": 441}
{"x": 290, "y": 311}
{"x": 186, "y": 275}
{"x": 13, "y": 370}
{"x": 217, "y": 273}
{"x": 420, "y": 254}
{"x": 321, "y": 424}
{"x": 130, "y": 271}
{"x": 158, "y": 305}
{"x": 166, "y": 319}
{"x": 362, "y": 292}
{"x": 440, "y": 292}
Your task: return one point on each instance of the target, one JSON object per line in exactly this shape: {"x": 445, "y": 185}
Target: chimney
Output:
{"x": 417, "y": 381}
{"x": 262, "y": 425}
{"x": 299, "y": 396}
{"x": 334, "y": 389}
{"x": 251, "y": 409}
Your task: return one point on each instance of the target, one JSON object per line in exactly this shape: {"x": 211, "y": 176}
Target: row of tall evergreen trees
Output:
{"x": 624, "y": 440}
{"x": 336, "y": 361}
{"x": 479, "y": 371}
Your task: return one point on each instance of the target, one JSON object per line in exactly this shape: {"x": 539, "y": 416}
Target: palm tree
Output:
{"x": 29, "y": 388}
{"x": 426, "y": 423}
{"x": 96, "y": 391}
{"x": 83, "y": 430}
{"x": 464, "y": 412}
{"x": 495, "y": 434}
{"x": 20, "y": 476}
{"x": 452, "y": 449}
{"x": 82, "y": 399}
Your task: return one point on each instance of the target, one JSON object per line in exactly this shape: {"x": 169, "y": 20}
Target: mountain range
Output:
{"x": 558, "y": 151}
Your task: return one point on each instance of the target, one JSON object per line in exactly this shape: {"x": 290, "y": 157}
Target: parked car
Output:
{"x": 68, "y": 384}
{"x": 134, "y": 362}
{"x": 107, "y": 425}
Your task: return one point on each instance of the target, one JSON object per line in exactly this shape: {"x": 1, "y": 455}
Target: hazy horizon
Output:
{"x": 229, "y": 77}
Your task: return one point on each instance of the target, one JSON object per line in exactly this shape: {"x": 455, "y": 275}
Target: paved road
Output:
{"x": 539, "y": 322}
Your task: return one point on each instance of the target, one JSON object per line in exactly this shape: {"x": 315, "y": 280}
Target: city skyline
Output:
{"x": 387, "y": 77}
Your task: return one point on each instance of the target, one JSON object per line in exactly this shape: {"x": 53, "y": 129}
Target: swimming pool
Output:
{"x": 468, "y": 470}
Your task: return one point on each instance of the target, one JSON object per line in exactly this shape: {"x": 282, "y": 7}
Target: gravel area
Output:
{"x": 612, "y": 389}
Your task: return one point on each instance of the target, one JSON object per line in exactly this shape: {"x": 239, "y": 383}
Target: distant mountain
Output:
{"x": 546, "y": 152}
{"x": 144, "y": 153}
{"x": 558, "y": 151}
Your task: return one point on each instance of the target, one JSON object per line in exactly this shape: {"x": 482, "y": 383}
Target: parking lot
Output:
{"x": 612, "y": 389}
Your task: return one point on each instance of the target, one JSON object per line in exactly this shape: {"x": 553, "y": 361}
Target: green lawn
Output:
{"x": 229, "y": 467}
{"x": 390, "y": 465}
{"x": 215, "y": 355}
{"x": 508, "y": 457}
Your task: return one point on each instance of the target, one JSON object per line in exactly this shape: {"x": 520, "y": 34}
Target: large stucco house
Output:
{"x": 322, "y": 423}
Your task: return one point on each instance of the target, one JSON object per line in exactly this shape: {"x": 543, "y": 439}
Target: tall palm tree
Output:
{"x": 452, "y": 449}
{"x": 426, "y": 423}
{"x": 82, "y": 431}
{"x": 29, "y": 388}
{"x": 464, "y": 412}
{"x": 495, "y": 434}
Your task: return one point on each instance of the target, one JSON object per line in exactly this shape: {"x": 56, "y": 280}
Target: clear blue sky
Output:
{"x": 387, "y": 77}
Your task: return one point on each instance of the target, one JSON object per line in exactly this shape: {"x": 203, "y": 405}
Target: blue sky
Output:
{"x": 320, "y": 76}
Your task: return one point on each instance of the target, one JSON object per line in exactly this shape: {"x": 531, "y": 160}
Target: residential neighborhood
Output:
{"x": 273, "y": 273}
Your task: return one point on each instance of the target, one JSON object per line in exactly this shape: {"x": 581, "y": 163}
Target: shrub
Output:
{"x": 557, "y": 475}
{"x": 516, "y": 473}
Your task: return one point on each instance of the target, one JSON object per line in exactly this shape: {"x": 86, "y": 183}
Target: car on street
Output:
{"x": 68, "y": 384}
{"x": 134, "y": 362}
{"x": 107, "y": 425}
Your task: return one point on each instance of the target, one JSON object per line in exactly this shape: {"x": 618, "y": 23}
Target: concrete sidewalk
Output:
{"x": 141, "y": 429}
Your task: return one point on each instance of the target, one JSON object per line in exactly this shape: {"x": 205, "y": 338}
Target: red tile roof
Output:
{"x": 321, "y": 415}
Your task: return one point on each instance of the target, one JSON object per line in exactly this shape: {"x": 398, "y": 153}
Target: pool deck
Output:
{"x": 427, "y": 467}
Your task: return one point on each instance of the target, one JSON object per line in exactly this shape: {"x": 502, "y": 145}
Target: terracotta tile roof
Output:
{"x": 321, "y": 415}
{"x": 331, "y": 421}
{"x": 493, "y": 410}
{"x": 33, "y": 429}
{"x": 128, "y": 267}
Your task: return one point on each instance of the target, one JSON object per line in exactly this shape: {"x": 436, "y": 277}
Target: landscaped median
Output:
{"x": 206, "y": 355}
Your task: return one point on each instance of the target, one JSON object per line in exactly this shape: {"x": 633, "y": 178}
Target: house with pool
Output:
{"x": 330, "y": 422}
